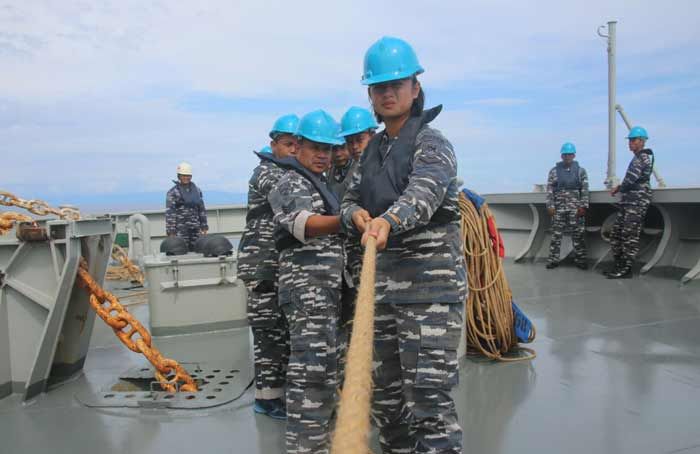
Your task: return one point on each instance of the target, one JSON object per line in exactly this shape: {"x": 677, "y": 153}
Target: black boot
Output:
{"x": 622, "y": 273}
{"x": 617, "y": 266}
{"x": 552, "y": 265}
{"x": 582, "y": 265}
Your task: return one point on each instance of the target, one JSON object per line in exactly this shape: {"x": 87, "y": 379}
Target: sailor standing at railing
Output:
{"x": 405, "y": 193}
{"x": 636, "y": 198}
{"x": 185, "y": 214}
{"x": 567, "y": 202}
{"x": 258, "y": 268}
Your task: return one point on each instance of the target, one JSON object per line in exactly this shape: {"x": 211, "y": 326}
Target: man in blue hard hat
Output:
{"x": 567, "y": 202}
{"x": 636, "y": 198}
{"x": 258, "y": 268}
{"x": 341, "y": 163}
{"x": 357, "y": 128}
{"x": 310, "y": 283}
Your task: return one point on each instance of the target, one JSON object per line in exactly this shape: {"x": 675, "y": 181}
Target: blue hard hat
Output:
{"x": 286, "y": 124}
{"x": 266, "y": 149}
{"x": 356, "y": 120}
{"x": 568, "y": 148}
{"x": 638, "y": 132}
{"x": 319, "y": 126}
{"x": 389, "y": 59}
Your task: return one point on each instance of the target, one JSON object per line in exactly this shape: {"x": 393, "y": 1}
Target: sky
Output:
{"x": 102, "y": 99}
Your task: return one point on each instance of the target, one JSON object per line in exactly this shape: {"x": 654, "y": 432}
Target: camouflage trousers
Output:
{"x": 415, "y": 357}
{"x": 566, "y": 220}
{"x": 190, "y": 236}
{"x": 624, "y": 238}
{"x": 270, "y": 339}
{"x": 312, "y": 314}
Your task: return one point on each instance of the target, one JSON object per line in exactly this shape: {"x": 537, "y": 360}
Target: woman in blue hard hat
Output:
{"x": 405, "y": 193}
{"x": 636, "y": 198}
{"x": 258, "y": 269}
{"x": 310, "y": 280}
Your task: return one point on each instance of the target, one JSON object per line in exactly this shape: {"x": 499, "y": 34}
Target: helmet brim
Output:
{"x": 319, "y": 139}
{"x": 350, "y": 132}
{"x": 386, "y": 77}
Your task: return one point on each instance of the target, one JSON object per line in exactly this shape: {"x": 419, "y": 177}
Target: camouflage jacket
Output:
{"x": 181, "y": 218}
{"x": 339, "y": 179}
{"x": 569, "y": 198}
{"x": 317, "y": 261}
{"x": 423, "y": 261}
{"x": 637, "y": 181}
{"x": 257, "y": 256}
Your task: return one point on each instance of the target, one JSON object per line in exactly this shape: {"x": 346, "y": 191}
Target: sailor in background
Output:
{"x": 405, "y": 193}
{"x": 258, "y": 268}
{"x": 311, "y": 265}
{"x": 185, "y": 214}
{"x": 567, "y": 202}
{"x": 341, "y": 163}
{"x": 357, "y": 127}
{"x": 636, "y": 198}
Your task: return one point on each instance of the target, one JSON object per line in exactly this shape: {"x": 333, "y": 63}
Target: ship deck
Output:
{"x": 617, "y": 371}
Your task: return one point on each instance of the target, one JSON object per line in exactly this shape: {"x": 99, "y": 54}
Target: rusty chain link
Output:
{"x": 38, "y": 207}
{"x": 41, "y": 208}
{"x": 114, "y": 314}
{"x": 120, "y": 255}
{"x": 7, "y": 220}
{"x": 133, "y": 334}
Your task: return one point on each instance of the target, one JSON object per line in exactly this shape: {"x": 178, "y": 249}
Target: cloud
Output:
{"x": 111, "y": 95}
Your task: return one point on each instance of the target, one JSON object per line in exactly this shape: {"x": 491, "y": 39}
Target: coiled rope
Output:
{"x": 489, "y": 312}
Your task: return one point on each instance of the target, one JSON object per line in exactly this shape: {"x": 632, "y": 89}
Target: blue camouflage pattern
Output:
{"x": 636, "y": 199}
{"x": 181, "y": 220}
{"x": 566, "y": 203}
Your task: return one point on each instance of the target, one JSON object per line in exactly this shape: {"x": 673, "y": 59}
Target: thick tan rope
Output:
{"x": 489, "y": 313}
{"x": 353, "y": 426}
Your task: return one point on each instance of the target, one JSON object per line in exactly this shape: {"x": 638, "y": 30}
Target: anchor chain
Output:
{"x": 38, "y": 207}
{"x": 7, "y": 220}
{"x": 127, "y": 328}
{"x": 136, "y": 337}
{"x": 41, "y": 208}
{"x": 120, "y": 255}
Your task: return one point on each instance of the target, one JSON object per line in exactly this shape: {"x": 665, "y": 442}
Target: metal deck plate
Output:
{"x": 218, "y": 385}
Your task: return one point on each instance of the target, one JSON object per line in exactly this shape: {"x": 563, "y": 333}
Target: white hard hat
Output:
{"x": 184, "y": 168}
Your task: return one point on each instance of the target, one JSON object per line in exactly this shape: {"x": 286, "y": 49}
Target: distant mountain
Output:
{"x": 113, "y": 203}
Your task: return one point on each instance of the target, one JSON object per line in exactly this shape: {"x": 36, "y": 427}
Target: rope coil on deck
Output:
{"x": 489, "y": 313}
{"x": 353, "y": 424}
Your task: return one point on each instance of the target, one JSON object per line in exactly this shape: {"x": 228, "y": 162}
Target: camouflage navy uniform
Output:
{"x": 310, "y": 282}
{"x": 339, "y": 178}
{"x": 257, "y": 267}
{"x": 181, "y": 219}
{"x": 636, "y": 198}
{"x": 420, "y": 290}
{"x": 566, "y": 203}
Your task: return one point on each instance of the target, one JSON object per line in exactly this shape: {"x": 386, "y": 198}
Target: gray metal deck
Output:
{"x": 617, "y": 371}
